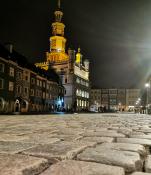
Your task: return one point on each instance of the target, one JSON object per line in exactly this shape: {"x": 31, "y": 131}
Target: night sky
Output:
{"x": 114, "y": 34}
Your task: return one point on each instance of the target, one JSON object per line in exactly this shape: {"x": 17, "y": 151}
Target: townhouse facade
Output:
{"x": 27, "y": 88}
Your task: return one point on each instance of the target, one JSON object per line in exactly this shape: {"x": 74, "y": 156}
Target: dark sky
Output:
{"x": 114, "y": 34}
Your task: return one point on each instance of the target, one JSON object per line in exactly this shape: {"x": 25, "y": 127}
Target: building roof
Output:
{"x": 23, "y": 62}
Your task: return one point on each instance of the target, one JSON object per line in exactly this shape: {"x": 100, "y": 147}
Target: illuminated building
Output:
{"x": 25, "y": 88}
{"x": 71, "y": 67}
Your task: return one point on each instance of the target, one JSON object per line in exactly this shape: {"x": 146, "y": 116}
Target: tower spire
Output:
{"x": 59, "y": 4}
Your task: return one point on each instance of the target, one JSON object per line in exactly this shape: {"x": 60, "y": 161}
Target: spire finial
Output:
{"x": 59, "y": 4}
{"x": 79, "y": 49}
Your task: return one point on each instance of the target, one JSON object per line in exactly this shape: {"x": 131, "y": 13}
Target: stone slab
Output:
{"x": 21, "y": 165}
{"x": 148, "y": 164}
{"x": 140, "y": 173}
{"x": 97, "y": 139}
{"x": 41, "y": 139}
{"x": 143, "y": 136}
{"x": 103, "y": 134}
{"x": 72, "y": 167}
{"x": 130, "y": 161}
{"x": 59, "y": 151}
{"x": 14, "y": 147}
{"x": 145, "y": 142}
{"x": 124, "y": 147}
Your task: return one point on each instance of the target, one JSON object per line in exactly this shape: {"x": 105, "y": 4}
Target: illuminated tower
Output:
{"x": 57, "y": 40}
{"x": 72, "y": 68}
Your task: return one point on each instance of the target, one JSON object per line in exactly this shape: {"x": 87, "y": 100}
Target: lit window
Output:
{"x": 77, "y": 102}
{"x": 1, "y": 67}
{"x": 82, "y": 93}
{"x": 1, "y": 83}
{"x": 77, "y": 92}
{"x": 11, "y": 71}
{"x": 11, "y": 86}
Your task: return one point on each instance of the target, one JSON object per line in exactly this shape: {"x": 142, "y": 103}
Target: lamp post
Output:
{"x": 147, "y": 86}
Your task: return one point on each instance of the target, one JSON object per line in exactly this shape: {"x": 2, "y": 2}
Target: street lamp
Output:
{"x": 147, "y": 86}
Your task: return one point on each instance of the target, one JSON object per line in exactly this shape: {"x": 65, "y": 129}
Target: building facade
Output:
{"x": 115, "y": 99}
{"x": 27, "y": 88}
{"x": 72, "y": 68}
{"x": 132, "y": 95}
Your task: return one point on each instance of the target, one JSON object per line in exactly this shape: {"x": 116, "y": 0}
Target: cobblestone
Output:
{"x": 82, "y": 144}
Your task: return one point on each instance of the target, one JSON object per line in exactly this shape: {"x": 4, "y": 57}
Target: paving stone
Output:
{"x": 130, "y": 161}
{"x": 14, "y": 147}
{"x": 124, "y": 147}
{"x": 72, "y": 167}
{"x": 41, "y": 139}
{"x": 11, "y": 137}
{"x": 21, "y": 165}
{"x": 145, "y": 142}
{"x": 69, "y": 131}
{"x": 59, "y": 151}
{"x": 140, "y": 173}
{"x": 103, "y": 134}
{"x": 97, "y": 139}
{"x": 144, "y": 136}
{"x": 147, "y": 130}
{"x": 67, "y": 137}
{"x": 148, "y": 164}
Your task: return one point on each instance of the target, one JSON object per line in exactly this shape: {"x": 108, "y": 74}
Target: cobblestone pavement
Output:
{"x": 78, "y": 144}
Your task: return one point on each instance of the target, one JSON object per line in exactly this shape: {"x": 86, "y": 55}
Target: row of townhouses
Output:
{"x": 115, "y": 99}
{"x": 25, "y": 88}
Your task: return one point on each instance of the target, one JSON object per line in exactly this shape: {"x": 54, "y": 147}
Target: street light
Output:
{"x": 147, "y": 86}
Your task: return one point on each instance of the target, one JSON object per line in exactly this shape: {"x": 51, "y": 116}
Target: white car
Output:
{"x": 93, "y": 108}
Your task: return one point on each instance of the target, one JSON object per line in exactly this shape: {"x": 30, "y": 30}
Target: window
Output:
{"x": 19, "y": 88}
{"x": 11, "y": 86}
{"x": 44, "y": 95}
{"x": 66, "y": 80}
{"x": 11, "y": 71}
{"x": 47, "y": 86}
{"x": 26, "y": 77}
{"x": 19, "y": 75}
{"x": 32, "y": 92}
{"x": 37, "y": 82}
{"x": 44, "y": 84}
{"x": 40, "y": 83}
{"x": 1, "y": 83}
{"x": 1, "y": 67}
{"x": 32, "y": 80}
{"x": 37, "y": 93}
{"x": 26, "y": 90}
